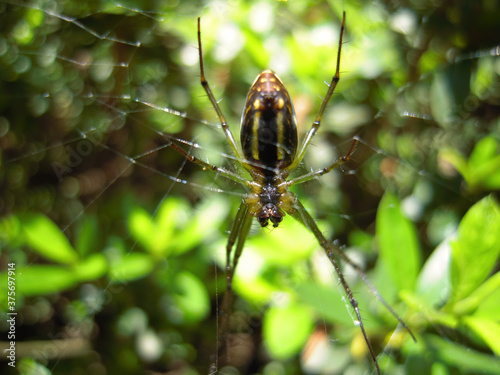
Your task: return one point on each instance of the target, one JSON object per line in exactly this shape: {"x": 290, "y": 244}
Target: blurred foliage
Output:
{"x": 119, "y": 242}
{"x": 482, "y": 170}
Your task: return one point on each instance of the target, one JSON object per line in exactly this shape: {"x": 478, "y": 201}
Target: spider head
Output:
{"x": 270, "y": 212}
{"x": 269, "y": 199}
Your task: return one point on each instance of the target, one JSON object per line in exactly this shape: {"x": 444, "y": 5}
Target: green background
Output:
{"x": 118, "y": 241}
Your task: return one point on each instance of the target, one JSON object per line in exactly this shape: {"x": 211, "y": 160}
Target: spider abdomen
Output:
{"x": 268, "y": 125}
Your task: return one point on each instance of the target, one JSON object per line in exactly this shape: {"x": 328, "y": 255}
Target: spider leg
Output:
{"x": 239, "y": 233}
{"x": 337, "y": 251}
{"x": 331, "y": 251}
{"x": 374, "y": 291}
{"x": 222, "y": 119}
{"x": 321, "y": 172}
{"x": 222, "y": 171}
{"x": 317, "y": 121}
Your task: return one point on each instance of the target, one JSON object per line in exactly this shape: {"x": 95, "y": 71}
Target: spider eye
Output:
{"x": 270, "y": 212}
{"x": 276, "y": 220}
{"x": 263, "y": 220}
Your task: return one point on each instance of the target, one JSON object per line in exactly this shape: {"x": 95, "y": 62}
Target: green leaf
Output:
{"x": 28, "y": 366}
{"x": 156, "y": 234}
{"x": 398, "y": 245}
{"x": 34, "y": 17}
{"x": 476, "y": 249}
{"x": 328, "y": 301}
{"x": 286, "y": 329}
{"x": 468, "y": 360}
{"x": 482, "y": 170}
{"x": 169, "y": 220}
{"x": 191, "y": 297}
{"x": 22, "y": 32}
{"x": 10, "y": 230}
{"x": 361, "y": 240}
{"x": 492, "y": 181}
{"x": 91, "y": 268}
{"x": 254, "y": 286}
{"x": 429, "y": 313}
{"x": 484, "y": 164}
{"x": 168, "y": 215}
{"x": 442, "y": 103}
{"x": 130, "y": 267}
{"x": 292, "y": 236}
{"x": 490, "y": 303}
{"x": 453, "y": 157}
{"x": 439, "y": 369}
{"x": 87, "y": 236}
{"x": 39, "y": 280}
{"x": 433, "y": 283}
{"x": 484, "y": 150}
{"x": 205, "y": 221}
{"x": 255, "y": 48}
{"x": 142, "y": 228}
{"x": 487, "y": 329}
{"x": 486, "y": 298}
{"x": 44, "y": 237}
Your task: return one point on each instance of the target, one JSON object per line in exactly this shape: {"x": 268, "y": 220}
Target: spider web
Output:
{"x": 104, "y": 89}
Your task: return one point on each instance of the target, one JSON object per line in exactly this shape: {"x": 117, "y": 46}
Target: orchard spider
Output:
{"x": 269, "y": 153}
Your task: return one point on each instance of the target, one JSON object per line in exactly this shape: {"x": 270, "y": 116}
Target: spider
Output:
{"x": 269, "y": 152}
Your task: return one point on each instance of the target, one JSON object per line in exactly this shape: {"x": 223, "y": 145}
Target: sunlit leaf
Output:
{"x": 439, "y": 369}
{"x": 482, "y": 170}
{"x": 130, "y": 267}
{"x": 487, "y": 329}
{"x": 44, "y": 237}
{"x": 10, "y": 229}
{"x": 23, "y": 32}
{"x": 433, "y": 284}
{"x": 484, "y": 150}
{"x": 200, "y": 226}
{"x": 168, "y": 216}
{"x": 327, "y": 301}
{"x": 486, "y": 299}
{"x": 484, "y": 164}
{"x": 92, "y": 267}
{"x": 429, "y": 313}
{"x": 156, "y": 233}
{"x": 142, "y": 227}
{"x": 285, "y": 245}
{"x": 44, "y": 279}
{"x": 28, "y": 366}
{"x": 251, "y": 283}
{"x": 191, "y": 297}
{"x": 87, "y": 236}
{"x": 465, "y": 358}
{"x": 476, "y": 249}
{"x": 398, "y": 245}
{"x": 457, "y": 160}
{"x": 254, "y": 47}
{"x": 286, "y": 329}
{"x": 34, "y": 17}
